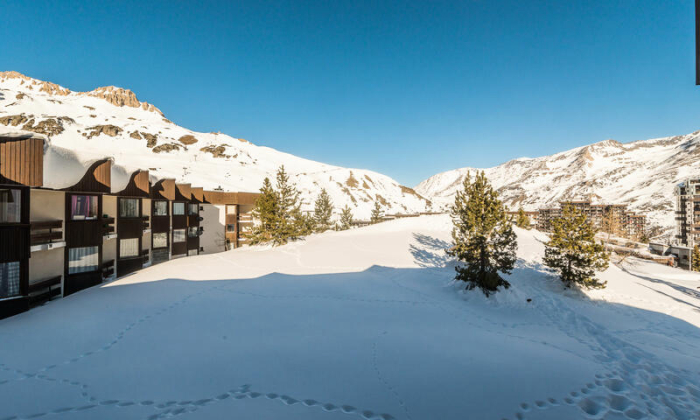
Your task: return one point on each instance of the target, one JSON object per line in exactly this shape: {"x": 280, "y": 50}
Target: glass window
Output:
{"x": 129, "y": 207}
{"x": 192, "y": 231}
{"x": 129, "y": 248}
{"x": 230, "y": 228}
{"x": 179, "y": 235}
{"x": 160, "y": 240}
{"x": 160, "y": 208}
{"x": 83, "y": 207}
{"x": 193, "y": 209}
{"x": 178, "y": 209}
{"x": 10, "y": 206}
{"x": 83, "y": 260}
{"x": 230, "y": 209}
{"x": 9, "y": 279}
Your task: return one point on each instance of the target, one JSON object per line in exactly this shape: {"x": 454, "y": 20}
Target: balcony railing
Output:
{"x": 146, "y": 222}
{"x": 107, "y": 225}
{"x": 44, "y": 290}
{"x": 107, "y": 269}
{"x": 46, "y": 232}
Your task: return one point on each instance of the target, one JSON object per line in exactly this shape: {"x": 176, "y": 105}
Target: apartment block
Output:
{"x": 613, "y": 218}
{"x": 67, "y": 225}
{"x": 687, "y": 213}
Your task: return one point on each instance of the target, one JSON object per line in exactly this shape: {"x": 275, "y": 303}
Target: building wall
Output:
{"x": 214, "y": 223}
{"x": 45, "y": 265}
{"x": 47, "y": 205}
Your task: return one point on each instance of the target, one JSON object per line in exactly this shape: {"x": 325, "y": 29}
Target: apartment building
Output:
{"x": 66, "y": 224}
{"x": 613, "y": 218}
{"x": 688, "y": 213}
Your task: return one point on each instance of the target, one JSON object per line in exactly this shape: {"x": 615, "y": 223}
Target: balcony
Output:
{"x": 108, "y": 227}
{"x": 146, "y": 222}
{"x": 46, "y": 235}
{"x": 245, "y": 219}
{"x": 107, "y": 269}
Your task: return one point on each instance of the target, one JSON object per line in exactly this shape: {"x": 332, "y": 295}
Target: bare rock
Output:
{"x": 167, "y": 147}
{"x": 108, "y": 129}
{"x": 187, "y": 139}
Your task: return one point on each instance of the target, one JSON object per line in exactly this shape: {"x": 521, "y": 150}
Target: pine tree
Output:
{"x": 289, "y": 210}
{"x": 346, "y": 218}
{"x": 264, "y": 214}
{"x": 522, "y": 221}
{"x": 323, "y": 211}
{"x": 483, "y": 236}
{"x": 376, "y": 215}
{"x": 695, "y": 256}
{"x": 573, "y": 252}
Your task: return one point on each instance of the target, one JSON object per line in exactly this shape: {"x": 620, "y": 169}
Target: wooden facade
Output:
{"x": 22, "y": 161}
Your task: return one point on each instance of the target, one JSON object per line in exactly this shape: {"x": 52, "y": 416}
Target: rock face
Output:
{"x": 167, "y": 147}
{"x": 121, "y": 97}
{"x": 110, "y": 130}
{"x": 216, "y": 151}
{"x": 49, "y": 127}
{"x": 187, "y": 139}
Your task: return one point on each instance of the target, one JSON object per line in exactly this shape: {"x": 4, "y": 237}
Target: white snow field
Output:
{"x": 358, "y": 324}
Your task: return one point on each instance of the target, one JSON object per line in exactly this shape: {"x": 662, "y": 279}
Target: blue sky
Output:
{"x": 408, "y": 89}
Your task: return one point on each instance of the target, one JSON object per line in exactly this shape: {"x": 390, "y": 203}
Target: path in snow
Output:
{"x": 362, "y": 324}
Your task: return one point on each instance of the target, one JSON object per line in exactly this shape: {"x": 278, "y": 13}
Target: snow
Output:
{"x": 364, "y": 323}
{"x": 243, "y": 169}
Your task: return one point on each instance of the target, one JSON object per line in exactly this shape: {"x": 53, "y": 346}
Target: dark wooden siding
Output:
{"x": 22, "y": 161}
{"x": 130, "y": 227}
{"x": 80, "y": 233}
{"x": 97, "y": 179}
{"x": 160, "y": 223}
{"x": 129, "y": 265}
{"x": 183, "y": 192}
{"x": 14, "y": 242}
{"x": 76, "y": 282}
{"x": 197, "y": 194}
{"x": 163, "y": 189}
{"x": 138, "y": 186}
{"x": 180, "y": 248}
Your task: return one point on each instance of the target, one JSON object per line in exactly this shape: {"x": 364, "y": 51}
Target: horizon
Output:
{"x": 436, "y": 87}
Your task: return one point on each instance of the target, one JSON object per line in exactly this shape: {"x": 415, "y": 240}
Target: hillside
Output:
{"x": 642, "y": 174}
{"x": 361, "y": 324}
{"x": 111, "y": 121}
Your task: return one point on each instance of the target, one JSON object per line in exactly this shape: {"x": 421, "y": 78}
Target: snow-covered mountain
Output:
{"x": 111, "y": 121}
{"x": 641, "y": 174}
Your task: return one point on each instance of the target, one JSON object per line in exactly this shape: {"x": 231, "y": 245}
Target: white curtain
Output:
{"x": 160, "y": 208}
{"x": 179, "y": 235}
{"x": 178, "y": 209}
{"x": 129, "y": 248}
{"x": 82, "y": 260}
{"x": 160, "y": 240}
{"x": 129, "y": 207}
{"x": 10, "y": 206}
{"x": 9, "y": 279}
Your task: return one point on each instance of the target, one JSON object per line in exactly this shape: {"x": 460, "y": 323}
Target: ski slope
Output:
{"x": 358, "y": 324}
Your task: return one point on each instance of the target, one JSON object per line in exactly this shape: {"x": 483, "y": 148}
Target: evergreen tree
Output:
{"x": 695, "y": 264}
{"x": 346, "y": 218}
{"x": 573, "y": 252}
{"x": 265, "y": 213}
{"x": 323, "y": 211}
{"x": 522, "y": 221}
{"x": 483, "y": 236}
{"x": 304, "y": 224}
{"x": 288, "y": 218}
{"x": 376, "y": 215}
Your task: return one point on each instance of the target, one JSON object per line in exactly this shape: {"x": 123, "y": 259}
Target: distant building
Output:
{"x": 688, "y": 213}
{"x": 532, "y": 215}
{"x": 613, "y": 218}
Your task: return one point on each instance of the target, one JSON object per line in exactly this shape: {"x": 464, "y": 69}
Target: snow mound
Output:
{"x": 365, "y": 323}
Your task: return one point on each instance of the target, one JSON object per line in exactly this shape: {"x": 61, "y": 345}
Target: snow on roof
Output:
{"x": 64, "y": 168}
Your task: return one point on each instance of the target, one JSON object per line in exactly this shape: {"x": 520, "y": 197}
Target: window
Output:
{"x": 129, "y": 248}
{"x": 160, "y": 240}
{"x": 83, "y": 207}
{"x": 83, "y": 260}
{"x": 10, "y": 206}
{"x": 230, "y": 209}
{"x": 129, "y": 207}
{"x": 179, "y": 235}
{"x": 193, "y": 209}
{"x": 230, "y": 228}
{"x": 178, "y": 209}
{"x": 192, "y": 231}
{"x": 9, "y": 279}
{"x": 160, "y": 208}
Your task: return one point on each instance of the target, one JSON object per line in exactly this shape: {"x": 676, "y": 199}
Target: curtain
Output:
{"x": 129, "y": 207}
{"x": 179, "y": 209}
{"x": 160, "y": 240}
{"x": 129, "y": 248}
{"x": 179, "y": 235}
{"x": 194, "y": 209}
{"x": 10, "y": 206}
{"x": 161, "y": 208}
{"x": 9, "y": 279}
{"x": 84, "y": 207}
{"x": 82, "y": 260}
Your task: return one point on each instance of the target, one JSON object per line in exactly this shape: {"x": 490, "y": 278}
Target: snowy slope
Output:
{"x": 642, "y": 174}
{"x": 360, "y": 324}
{"x": 113, "y": 122}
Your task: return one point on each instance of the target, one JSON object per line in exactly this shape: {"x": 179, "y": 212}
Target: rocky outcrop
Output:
{"x": 14, "y": 120}
{"x": 187, "y": 139}
{"x": 152, "y": 139}
{"x": 216, "y": 151}
{"x": 167, "y": 147}
{"x": 110, "y": 130}
{"x": 48, "y": 127}
{"x": 121, "y": 97}
{"x": 351, "y": 181}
